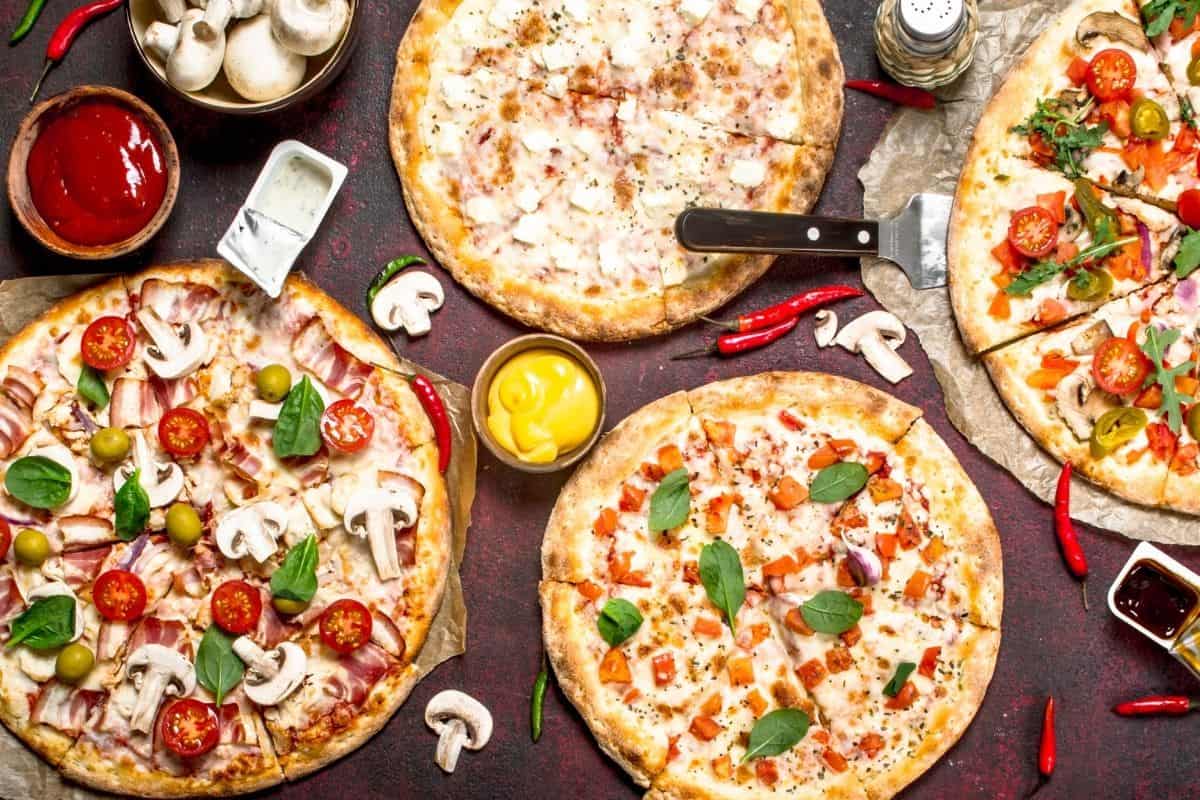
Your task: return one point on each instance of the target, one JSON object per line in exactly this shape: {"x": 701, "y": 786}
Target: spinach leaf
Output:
{"x": 723, "y": 579}
{"x": 903, "y": 670}
{"x": 671, "y": 502}
{"x": 91, "y": 387}
{"x": 776, "y": 733}
{"x": 832, "y": 612}
{"x": 618, "y": 620}
{"x": 1188, "y": 258}
{"x": 297, "y": 578}
{"x": 132, "y": 506}
{"x": 298, "y": 429}
{"x": 45, "y": 625}
{"x": 218, "y": 668}
{"x": 38, "y": 482}
{"x": 838, "y": 482}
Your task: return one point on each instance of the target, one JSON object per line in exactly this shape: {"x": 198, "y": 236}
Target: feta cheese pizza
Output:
{"x": 223, "y": 533}
{"x": 783, "y": 584}
{"x": 545, "y": 147}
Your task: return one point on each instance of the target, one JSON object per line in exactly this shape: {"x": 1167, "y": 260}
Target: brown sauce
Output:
{"x": 1158, "y": 601}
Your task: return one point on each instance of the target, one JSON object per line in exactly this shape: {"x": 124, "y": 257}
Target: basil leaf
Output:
{"x": 903, "y": 670}
{"x": 38, "y": 482}
{"x": 831, "y": 611}
{"x": 838, "y": 482}
{"x": 91, "y": 387}
{"x": 45, "y": 625}
{"x": 619, "y": 620}
{"x": 723, "y": 579}
{"x": 297, "y": 578}
{"x": 218, "y": 668}
{"x": 298, "y": 429}
{"x": 1188, "y": 258}
{"x": 671, "y": 502}
{"x": 776, "y": 733}
{"x": 132, "y": 506}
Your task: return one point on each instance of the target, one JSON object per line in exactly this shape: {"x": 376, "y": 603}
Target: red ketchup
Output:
{"x": 96, "y": 173}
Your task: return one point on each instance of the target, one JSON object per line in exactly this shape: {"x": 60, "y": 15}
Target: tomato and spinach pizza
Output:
{"x": 778, "y": 584}
{"x": 223, "y": 533}
{"x": 545, "y": 147}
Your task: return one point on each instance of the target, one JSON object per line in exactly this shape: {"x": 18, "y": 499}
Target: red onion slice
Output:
{"x": 1147, "y": 250}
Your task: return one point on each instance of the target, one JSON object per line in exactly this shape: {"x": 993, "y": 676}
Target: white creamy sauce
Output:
{"x": 295, "y": 194}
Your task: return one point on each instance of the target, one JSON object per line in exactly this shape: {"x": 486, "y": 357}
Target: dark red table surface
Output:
{"x": 1087, "y": 660}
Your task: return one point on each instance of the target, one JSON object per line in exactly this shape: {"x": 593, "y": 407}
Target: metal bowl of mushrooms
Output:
{"x": 245, "y": 56}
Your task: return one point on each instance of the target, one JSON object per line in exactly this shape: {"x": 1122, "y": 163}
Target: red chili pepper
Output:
{"x": 1048, "y": 753}
{"x": 431, "y": 401}
{"x": 732, "y": 344}
{"x": 67, "y": 30}
{"x": 901, "y": 95}
{"x": 1068, "y": 539}
{"x": 792, "y": 307}
{"x": 1168, "y": 704}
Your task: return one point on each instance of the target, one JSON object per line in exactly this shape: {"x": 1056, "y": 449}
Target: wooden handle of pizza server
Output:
{"x": 718, "y": 230}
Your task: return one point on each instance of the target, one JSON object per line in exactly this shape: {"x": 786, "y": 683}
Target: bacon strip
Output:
{"x": 16, "y": 423}
{"x": 64, "y": 707}
{"x": 311, "y": 471}
{"x": 11, "y": 601}
{"x": 81, "y": 531}
{"x": 174, "y": 393}
{"x": 81, "y": 566}
{"x": 356, "y": 674}
{"x": 179, "y": 302}
{"x": 242, "y": 460}
{"x": 134, "y": 404}
{"x": 336, "y": 367}
{"x": 386, "y": 634}
{"x": 109, "y": 640}
{"x": 271, "y": 628}
{"x": 167, "y": 632}
{"x": 22, "y": 386}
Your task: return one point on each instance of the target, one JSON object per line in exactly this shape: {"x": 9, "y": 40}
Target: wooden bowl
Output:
{"x": 483, "y": 381}
{"x": 220, "y": 96}
{"x": 21, "y": 200}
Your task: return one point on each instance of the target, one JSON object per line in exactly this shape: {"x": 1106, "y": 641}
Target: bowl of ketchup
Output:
{"x": 93, "y": 173}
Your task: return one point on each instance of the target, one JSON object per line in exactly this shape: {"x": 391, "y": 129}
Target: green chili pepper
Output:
{"x": 388, "y": 273}
{"x": 1101, "y": 220}
{"x": 535, "y": 703}
{"x": 1150, "y": 120}
{"x": 1115, "y": 428}
{"x": 1090, "y": 285}
{"x": 23, "y": 28}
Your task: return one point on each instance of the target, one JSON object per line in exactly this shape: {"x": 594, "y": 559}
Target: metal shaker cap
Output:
{"x": 931, "y": 20}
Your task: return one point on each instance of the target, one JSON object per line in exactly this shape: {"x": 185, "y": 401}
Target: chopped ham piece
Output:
{"x": 16, "y": 424}
{"x": 134, "y": 404}
{"x": 22, "y": 386}
{"x": 316, "y": 351}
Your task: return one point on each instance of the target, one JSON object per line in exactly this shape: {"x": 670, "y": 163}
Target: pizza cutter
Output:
{"x": 914, "y": 239}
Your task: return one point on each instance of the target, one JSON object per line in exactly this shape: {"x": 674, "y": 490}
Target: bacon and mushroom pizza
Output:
{"x": 223, "y": 533}
{"x": 776, "y": 584}
{"x": 545, "y": 147}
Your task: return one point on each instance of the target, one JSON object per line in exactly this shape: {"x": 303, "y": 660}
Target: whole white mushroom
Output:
{"x": 257, "y": 66}
{"x": 309, "y": 27}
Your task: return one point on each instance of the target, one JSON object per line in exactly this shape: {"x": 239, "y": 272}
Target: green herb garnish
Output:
{"x": 618, "y": 621}
{"x": 671, "y": 502}
{"x": 832, "y": 612}
{"x": 1065, "y": 132}
{"x": 1156, "y": 346}
{"x": 1043, "y": 271}
{"x": 776, "y": 733}
{"x": 723, "y": 578}
{"x": 38, "y": 482}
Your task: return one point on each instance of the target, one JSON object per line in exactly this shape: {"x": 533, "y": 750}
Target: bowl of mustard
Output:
{"x": 539, "y": 403}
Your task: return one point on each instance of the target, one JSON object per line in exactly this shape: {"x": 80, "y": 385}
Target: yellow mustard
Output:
{"x": 542, "y": 403}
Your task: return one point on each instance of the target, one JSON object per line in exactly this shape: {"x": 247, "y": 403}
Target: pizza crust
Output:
{"x": 822, "y": 72}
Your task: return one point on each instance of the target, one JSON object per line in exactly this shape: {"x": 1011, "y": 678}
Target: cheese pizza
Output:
{"x": 545, "y": 147}
{"x": 223, "y": 535}
{"x": 783, "y": 583}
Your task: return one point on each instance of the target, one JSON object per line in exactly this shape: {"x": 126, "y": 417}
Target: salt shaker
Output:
{"x": 926, "y": 43}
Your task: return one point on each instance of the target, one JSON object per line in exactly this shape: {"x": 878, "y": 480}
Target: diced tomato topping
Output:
{"x": 851, "y": 637}
{"x": 1150, "y": 398}
{"x": 1118, "y": 114}
{"x": 824, "y": 457}
{"x": 664, "y": 668}
{"x": 632, "y": 696}
{"x": 875, "y": 463}
{"x": 1162, "y": 441}
{"x": 751, "y": 637}
{"x": 591, "y": 591}
{"x": 884, "y": 489}
{"x": 907, "y": 531}
{"x": 885, "y": 544}
{"x": 704, "y": 728}
{"x": 691, "y": 572}
{"x": 651, "y": 471}
{"x": 615, "y": 668}
{"x": 1186, "y": 384}
{"x": 716, "y": 513}
{"x": 1059, "y": 361}
{"x": 1184, "y": 462}
{"x": 1180, "y": 29}
{"x": 933, "y": 551}
{"x": 1049, "y": 312}
{"x": 903, "y": 699}
{"x": 712, "y": 705}
{"x": 929, "y": 661}
{"x": 1013, "y": 262}
{"x": 620, "y": 570}
{"x": 707, "y": 626}
{"x": 838, "y": 659}
{"x": 1001, "y": 306}
{"x": 1056, "y": 204}
{"x": 1045, "y": 379}
{"x": 835, "y": 760}
{"x": 606, "y": 523}
{"x": 788, "y": 493}
{"x": 917, "y": 585}
{"x": 1077, "y": 71}
{"x": 720, "y": 433}
{"x": 845, "y": 578}
{"x": 722, "y": 766}
{"x": 784, "y": 565}
{"x": 871, "y": 744}
{"x": 820, "y": 736}
{"x": 758, "y": 703}
{"x": 1040, "y": 150}
{"x": 673, "y": 748}
{"x": 811, "y": 673}
{"x": 631, "y": 498}
{"x": 766, "y": 771}
{"x": 669, "y": 458}
{"x": 795, "y": 622}
{"x": 790, "y": 420}
{"x": 741, "y": 670}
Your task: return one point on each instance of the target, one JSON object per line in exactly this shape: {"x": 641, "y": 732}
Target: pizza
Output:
{"x": 783, "y": 583}
{"x": 545, "y": 147}
{"x": 223, "y": 533}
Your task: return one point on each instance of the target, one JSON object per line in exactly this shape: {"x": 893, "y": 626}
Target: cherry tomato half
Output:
{"x": 119, "y": 595}
{"x": 1189, "y": 208}
{"x": 347, "y": 427}
{"x": 346, "y": 626}
{"x": 236, "y": 607}
{"x": 107, "y": 343}
{"x": 183, "y": 432}
{"x": 1111, "y": 75}
{"x": 1119, "y": 367}
{"x": 6, "y": 537}
{"x": 1033, "y": 232}
{"x": 190, "y": 727}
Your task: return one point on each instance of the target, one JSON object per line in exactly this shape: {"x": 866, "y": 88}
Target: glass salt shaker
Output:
{"x": 926, "y": 43}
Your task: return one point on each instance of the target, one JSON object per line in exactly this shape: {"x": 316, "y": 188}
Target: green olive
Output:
{"x": 31, "y": 547}
{"x": 74, "y": 662}
{"x": 1090, "y": 285}
{"x": 183, "y": 525}
{"x": 1193, "y": 72}
{"x": 110, "y": 445}
{"x": 1193, "y": 422}
{"x": 288, "y": 607}
{"x": 274, "y": 382}
{"x": 1150, "y": 120}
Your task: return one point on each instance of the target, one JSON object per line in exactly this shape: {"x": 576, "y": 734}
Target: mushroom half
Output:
{"x": 877, "y": 335}
{"x": 252, "y": 531}
{"x": 460, "y": 721}
{"x": 407, "y": 301}
{"x": 177, "y": 350}
{"x": 157, "y": 672}
{"x": 375, "y": 514}
{"x": 271, "y": 675}
{"x": 163, "y": 482}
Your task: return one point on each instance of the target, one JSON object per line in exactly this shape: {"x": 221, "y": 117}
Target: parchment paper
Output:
{"x": 937, "y": 141}
{"x": 25, "y": 776}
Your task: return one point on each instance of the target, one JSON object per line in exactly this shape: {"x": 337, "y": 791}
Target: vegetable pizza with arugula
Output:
{"x": 224, "y": 533}
{"x": 776, "y": 584}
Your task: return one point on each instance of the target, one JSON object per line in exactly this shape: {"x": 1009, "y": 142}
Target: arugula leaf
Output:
{"x": 671, "y": 502}
{"x": 91, "y": 387}
{"x": 1065, "y": 132}
{"x": 832, "y": 612}
{"x": 1159, "y": 14}
{"x": 45, "y": 625}
{"x": 1156, "y": 346}
{"x": 838, "y": 482}
{"x": 723, "y": 578}
{"x": 298, "y": 429}
{"x": 297, "y": 578}
{"x": 903, "y": 670}
{"x": 132, "y": 507}
{"x": 619, "y": 619}
{"x": 218, "y": 668}
{"x": 1042, "y": 271}
{"x": 1188, "y": 258}
{"x": 1188, "y": 112}
{"x": 38, "y": 482}
{"x": 776, "y": 733}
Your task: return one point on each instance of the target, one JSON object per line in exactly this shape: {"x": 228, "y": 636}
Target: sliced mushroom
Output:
{"x": 162, "y": 482}
{"x": 157, "y": 671}
{"x": 253, "y": 531}
{"x": 309, "y": 27}
{"x": 375, "y": 514}
{"x": 1092, "y": 337}
{"x": 218, "y": 13}
{"x": 1171, "y": 248}
{"x": 825, "y": 330}
{"x": 194, "y": 63}
{"x": 60, "y": 589}
{"x": 407, "y": 301}
{"x": 460, "y": 721}
{"x": 1071, "y": 101}
{"x": 877, "y": 335}
{"x": 258, "y": 67}
{"x": 1128, "y": 180}
{"x": 61, "y": 455}
{"x": 178, "y": 350}
{"x": 271, "y": 675}
{"x": 1073, "y": 228}
{"x": 1072, "y": 392}
{"x": 1113, "y": 26}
